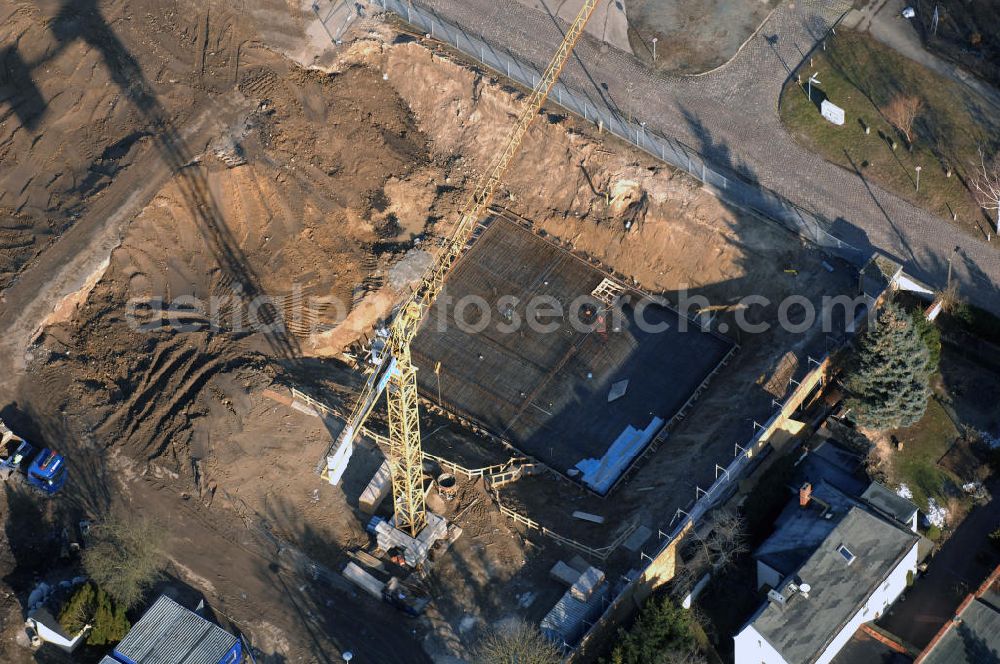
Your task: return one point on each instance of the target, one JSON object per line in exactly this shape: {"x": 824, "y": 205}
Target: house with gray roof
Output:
{"x": 973, "y": 635}
{"x": 833, "y": 563}
{"x": 799, "y": 530}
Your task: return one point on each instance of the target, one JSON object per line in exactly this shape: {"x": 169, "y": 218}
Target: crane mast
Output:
{"x": 396, "y": 372}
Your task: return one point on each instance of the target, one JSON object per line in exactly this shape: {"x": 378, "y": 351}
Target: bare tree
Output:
{"x": 716, "y": 551}
{"x": 726, "y": 541}
{"x": 124, "y": 557}
{"x": 901, "y": 111}
{"x": 986, "y": 184}
{"x": 516, "y": 643}
{"x": 950, "y": 297}
{"x": 683, "y": 657}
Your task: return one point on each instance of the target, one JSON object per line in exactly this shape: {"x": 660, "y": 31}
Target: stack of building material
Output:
{"x": 363, "y": 580}
{"x": 376, "y": 491}
{"x": 336, "y": 462}
{"x": 600, "y": 474}
{"x": 588, "y": 582}
{"x": 564, "y": 573}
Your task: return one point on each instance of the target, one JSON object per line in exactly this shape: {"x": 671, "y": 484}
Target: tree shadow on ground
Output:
{"x": 337, "y": 615}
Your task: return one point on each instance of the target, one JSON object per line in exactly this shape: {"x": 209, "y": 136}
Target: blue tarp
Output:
{"x": 600, "y": 474}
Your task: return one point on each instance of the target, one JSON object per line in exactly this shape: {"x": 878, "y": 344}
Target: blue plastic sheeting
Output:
{"x": 600, "y": 474}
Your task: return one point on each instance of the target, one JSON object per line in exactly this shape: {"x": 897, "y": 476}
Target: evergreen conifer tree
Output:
{"x": 891, "y": 373}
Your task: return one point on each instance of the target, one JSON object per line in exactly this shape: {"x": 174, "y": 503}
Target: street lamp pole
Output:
{"x": 950, "y": 257}
{"x": 812, "y": 79}
{"x": 918, "y": 169}
{"x": 654, "y": 49}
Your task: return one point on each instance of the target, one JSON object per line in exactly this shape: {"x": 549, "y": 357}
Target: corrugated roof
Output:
{"x": 108, "y": 659}
{"x": 170, "y": 634}
{"x": 565, "y": 622}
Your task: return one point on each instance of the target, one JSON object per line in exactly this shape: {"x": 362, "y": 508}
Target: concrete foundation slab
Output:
{"x": 545, "y": 387}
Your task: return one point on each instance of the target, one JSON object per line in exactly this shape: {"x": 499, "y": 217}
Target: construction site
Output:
{"x": 252, "y": 329}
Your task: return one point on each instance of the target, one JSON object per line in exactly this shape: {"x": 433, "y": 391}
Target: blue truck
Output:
{"x": 41, "y": 468}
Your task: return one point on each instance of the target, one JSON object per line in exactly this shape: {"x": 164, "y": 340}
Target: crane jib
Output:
{"x": 405, "y": 453}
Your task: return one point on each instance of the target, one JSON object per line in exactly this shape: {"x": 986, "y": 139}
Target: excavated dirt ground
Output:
{"x": 319, "y": 190}
{"x": 70, "y": 124}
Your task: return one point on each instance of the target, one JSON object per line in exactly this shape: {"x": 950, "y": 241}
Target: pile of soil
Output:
{"x": 322, "y": 198}
{"x": 303, "y": 207}
{"x": 86, "y": 85}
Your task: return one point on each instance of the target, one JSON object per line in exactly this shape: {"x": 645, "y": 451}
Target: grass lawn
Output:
{"x": 861, "y": 76}
{"x": 917, "y": 464}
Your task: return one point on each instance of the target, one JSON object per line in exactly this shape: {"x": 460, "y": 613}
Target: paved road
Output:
{"x": 730, "y": 115}
{"x": 963, "y": 562}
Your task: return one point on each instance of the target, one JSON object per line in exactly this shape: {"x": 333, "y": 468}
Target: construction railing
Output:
{"x": 601, "y": 554}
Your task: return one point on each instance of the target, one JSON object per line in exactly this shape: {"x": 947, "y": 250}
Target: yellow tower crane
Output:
{"x": 395, "y": 371}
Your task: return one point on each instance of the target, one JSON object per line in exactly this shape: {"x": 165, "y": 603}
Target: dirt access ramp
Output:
{"x": 327, "y": 181}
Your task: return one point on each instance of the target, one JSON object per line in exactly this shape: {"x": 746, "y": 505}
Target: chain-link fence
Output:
{"x": 731, "y": 186}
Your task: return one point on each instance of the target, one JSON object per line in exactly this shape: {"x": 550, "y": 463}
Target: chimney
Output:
{"x": 805, "y": 494}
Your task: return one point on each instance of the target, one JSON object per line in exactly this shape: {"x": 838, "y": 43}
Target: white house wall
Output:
{"x": 752, "y": 648}
{"x": 883, "y": 597}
